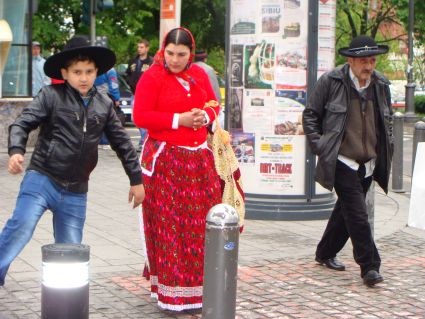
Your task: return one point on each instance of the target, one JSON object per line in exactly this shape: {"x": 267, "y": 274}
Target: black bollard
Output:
{"x": 65, "y": 285}
{"x": 221, "y": 263}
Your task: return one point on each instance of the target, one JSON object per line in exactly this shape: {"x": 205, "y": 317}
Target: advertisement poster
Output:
{"x": 287, "y": 117}
{"x": 257, "y": 113}
{"x": 168, "y": 9}
{"x": 242, "y": 20}
{"x": 279, "y": 166}
{"x": 295, "y": 21}
{"x": 235, "y": 109}
{"x": 244, "y": 147}
{"x": 268, "y": 89}
{"x": 271, "y": 16}
{"x": 259, "y": 61}
{"x": 236, "y": 63}
{"x": 326, "y": 34}
{"x": 291, "y": 69}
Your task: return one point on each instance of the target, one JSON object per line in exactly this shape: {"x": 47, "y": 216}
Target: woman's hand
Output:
{"x": 194, "y": 119}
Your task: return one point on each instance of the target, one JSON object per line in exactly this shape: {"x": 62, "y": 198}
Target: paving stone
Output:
{"x": 277, "y": 275}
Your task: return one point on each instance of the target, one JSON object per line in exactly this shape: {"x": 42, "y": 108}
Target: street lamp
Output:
{"x": 65, "y": 284}
{"x": 410, "y": 86}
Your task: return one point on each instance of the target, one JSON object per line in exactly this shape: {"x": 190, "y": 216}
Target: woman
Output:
{"x": 174, "y": 101}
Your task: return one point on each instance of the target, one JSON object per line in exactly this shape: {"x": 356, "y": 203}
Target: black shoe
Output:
{"x": 372, "y": 278}
{"x": 331, "y": 263}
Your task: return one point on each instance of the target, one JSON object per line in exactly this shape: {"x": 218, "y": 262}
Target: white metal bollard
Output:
{"x": 221, "y": 263}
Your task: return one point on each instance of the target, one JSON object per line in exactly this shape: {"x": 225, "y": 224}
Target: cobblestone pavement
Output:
{"x": 277, "y": 276}
{"x": 282, "y": 288}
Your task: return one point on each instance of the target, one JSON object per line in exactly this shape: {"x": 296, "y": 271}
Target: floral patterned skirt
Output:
{"x": 179, "y": 194}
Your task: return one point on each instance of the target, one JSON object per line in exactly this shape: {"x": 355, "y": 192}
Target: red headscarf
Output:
{"x": 160, "y": 59}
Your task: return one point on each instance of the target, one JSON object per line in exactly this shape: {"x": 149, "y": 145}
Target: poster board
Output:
{"x": 267, "y": 60}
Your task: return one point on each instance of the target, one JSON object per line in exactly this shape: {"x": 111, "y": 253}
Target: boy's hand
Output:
{"x": 16, "y": 162}
{"x": 137, "y": 193}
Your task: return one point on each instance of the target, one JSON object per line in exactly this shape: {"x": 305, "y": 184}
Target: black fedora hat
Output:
{"x": 79, "y": 45}
{"x": 363, "y": 46}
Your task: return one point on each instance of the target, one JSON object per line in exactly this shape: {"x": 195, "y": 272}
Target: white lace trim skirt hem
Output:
{"x": 175, "y": 307}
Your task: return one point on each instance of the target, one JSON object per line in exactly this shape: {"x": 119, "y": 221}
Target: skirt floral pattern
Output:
{"x": 179, "y": 194}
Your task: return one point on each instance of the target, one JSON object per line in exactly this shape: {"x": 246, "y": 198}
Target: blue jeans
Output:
{"x": 37, "y": 194}
{"x": 103, "y": 140}
{"x": 143, "y": 133}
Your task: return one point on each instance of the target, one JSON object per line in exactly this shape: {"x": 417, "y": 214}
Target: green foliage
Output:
{"x": 369, "y": 17}
{"x": 402, "y": 11}
{"x": 205, "y": 19}
{"x": 216, "y": 60}
{"x": 420, "y": 104}
{"x": 127, "y": 22}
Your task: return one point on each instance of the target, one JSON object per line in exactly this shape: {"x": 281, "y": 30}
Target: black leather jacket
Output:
{"x": 324, "y": 124}
{"x": 133, "y": 73}
{"x": 66, "y": 148}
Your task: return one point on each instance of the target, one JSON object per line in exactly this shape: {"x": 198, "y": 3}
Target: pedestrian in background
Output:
{"x": 348, "y": 124}
{"x": 201, "y": 59}
{"x": 72, "y": 117}
{"x": 175, "y": 102}
{"x": 135, "y": 69}
{"x": 39, "y": 79}
{"x": 107, "y": 83}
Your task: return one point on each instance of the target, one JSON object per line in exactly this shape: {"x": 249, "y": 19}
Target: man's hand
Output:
{"x": 16, "y": 164}
{"x": 136, "y": 193}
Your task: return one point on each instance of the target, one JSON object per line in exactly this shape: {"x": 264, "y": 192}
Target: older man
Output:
{"x": 348, "y": 124}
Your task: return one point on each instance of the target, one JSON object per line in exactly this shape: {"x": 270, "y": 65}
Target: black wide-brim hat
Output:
{"x": 363, "y": 46}
{"x": 104, "y": 58}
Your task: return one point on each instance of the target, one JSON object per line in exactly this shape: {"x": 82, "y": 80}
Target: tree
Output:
{"x": 402, "y": 10}
{"x": 127, "y": 22}
{"x": 384, "y": 20}
{"x": 378, "y": 19}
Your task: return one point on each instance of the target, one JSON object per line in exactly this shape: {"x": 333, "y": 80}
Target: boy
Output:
{"x": 71, "y": 117}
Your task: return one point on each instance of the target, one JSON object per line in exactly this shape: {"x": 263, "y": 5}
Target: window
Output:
{"x": 16, "y": 81}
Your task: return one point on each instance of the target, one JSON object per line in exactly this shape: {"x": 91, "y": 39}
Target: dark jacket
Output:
{"x": 324, "y": 123}
{"x": 135, "y": 70}
{"x": 66, "y": 149}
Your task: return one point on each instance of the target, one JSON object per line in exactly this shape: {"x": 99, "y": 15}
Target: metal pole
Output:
{"x": 92, "y": 23}
{"x": 312, "y": 47}
{"x": 397, "y": 170}
{"x": 221, "y": 263}
{"x": 410, "y": 86}
{"x": 227, "y": 64}
{"x": 418, "y": 137}
{"x": 29, "y": 50}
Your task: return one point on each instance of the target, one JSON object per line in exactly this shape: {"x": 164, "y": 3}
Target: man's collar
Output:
{"x": 356, "y": 82}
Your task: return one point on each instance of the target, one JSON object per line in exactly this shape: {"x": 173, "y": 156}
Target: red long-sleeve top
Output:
{"x": 159, "y": 95}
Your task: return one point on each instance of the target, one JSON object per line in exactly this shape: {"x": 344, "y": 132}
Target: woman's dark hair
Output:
{"x": 179, "y": 36}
